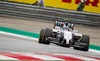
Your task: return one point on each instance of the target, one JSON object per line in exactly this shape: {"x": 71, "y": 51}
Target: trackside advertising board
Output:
{"x": 24, "y": 1}
{"x": 90, "y": 5}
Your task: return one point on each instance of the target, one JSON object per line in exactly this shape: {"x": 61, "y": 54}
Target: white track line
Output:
{"x": 97, "y": 51}
{"x": 32, "y": 38}
{"x": 18, "y": 35}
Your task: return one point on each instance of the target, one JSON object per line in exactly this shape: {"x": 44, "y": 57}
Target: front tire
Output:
{"x": 85, "y": 39}
{"x": 41, "y": 38}
{"x": 45, "y": 33}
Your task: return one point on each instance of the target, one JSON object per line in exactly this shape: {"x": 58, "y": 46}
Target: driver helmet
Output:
{"x": 66, "y": 24}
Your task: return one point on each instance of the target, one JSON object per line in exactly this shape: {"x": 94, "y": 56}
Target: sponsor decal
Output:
{"x": 90, "y": 5}
{"x": 94, "y": 3}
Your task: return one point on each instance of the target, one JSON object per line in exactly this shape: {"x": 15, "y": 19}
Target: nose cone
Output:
{"x": 67, "y": 36}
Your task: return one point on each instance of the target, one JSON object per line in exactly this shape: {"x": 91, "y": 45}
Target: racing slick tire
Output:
{"x": 41, "y": 38}
{"x": 85, "y": 39}
{"x": 45, "y": 33}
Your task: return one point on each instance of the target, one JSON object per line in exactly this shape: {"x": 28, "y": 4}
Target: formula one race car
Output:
{"x": 64, "y": 34}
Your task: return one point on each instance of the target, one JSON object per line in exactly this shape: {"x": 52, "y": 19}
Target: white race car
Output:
{"x": 64, "y": 34}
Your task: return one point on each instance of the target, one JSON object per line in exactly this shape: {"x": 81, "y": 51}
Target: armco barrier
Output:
{"x": 30, "y": 11}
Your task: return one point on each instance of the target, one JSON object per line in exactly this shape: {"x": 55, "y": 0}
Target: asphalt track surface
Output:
{"x": 36, "y": 25}
{"x": 17, "y": 44}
